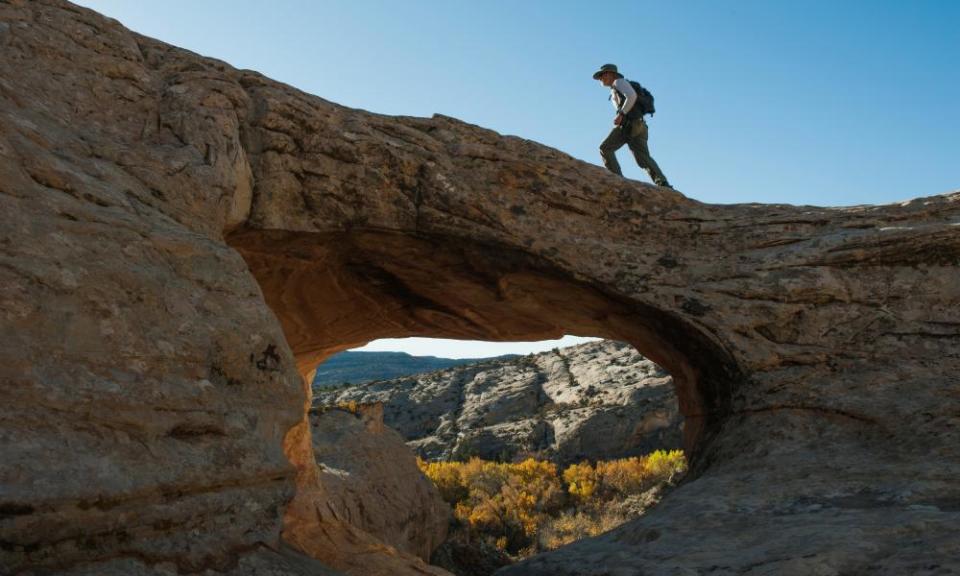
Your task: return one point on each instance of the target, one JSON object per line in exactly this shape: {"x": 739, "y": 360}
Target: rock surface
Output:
{"x": 599, "y": 400}
{"x": 373, "y": 482}
{"x": 180, "y": 241}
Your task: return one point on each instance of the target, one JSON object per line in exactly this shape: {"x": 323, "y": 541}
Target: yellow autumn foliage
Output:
{"x": 350, "y": 406}
{"x": 617, "y": 478}
{"x": 581, "y": 480}
{"x": 662, "y": 464}
{"x": 447, "y": 477}
{"x": 524, "y": 506}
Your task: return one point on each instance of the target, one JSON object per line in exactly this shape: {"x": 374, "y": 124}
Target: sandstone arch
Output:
{"x": 153, "y": 405}
{"x": 337, "y": 291}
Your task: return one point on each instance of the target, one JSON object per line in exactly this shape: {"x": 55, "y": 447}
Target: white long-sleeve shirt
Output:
{"x": 630, "y": 95}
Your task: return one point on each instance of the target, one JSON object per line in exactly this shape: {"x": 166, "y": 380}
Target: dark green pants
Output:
{"x": 635, "y": 136}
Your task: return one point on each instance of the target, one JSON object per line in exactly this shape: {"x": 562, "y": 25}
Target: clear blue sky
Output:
{"x": 803, "y": 102}
{"x": 467, "y": 348}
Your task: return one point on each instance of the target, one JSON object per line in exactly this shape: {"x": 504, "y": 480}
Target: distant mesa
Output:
{"x": 360, "y": 367}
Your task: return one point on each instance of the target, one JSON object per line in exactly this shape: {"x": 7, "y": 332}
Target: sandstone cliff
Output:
{"x": 181, "y": 240}
{"x": 598, "y": 400}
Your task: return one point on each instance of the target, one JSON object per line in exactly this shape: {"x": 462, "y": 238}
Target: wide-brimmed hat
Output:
{"x": 606, "y": 68}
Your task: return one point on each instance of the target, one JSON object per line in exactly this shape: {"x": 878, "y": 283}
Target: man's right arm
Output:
{"x": 629, "y": 95}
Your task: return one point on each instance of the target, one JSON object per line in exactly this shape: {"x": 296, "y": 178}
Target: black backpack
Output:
{"x": 644, "y": 103}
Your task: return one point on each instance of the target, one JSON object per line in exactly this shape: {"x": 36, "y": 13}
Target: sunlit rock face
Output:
{"x": 596, "y": 401}
{"x": 181, "y": 240}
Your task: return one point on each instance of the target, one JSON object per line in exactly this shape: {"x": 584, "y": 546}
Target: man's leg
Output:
{"x": 609, "y": 147}
{"x": 638, "y": 145}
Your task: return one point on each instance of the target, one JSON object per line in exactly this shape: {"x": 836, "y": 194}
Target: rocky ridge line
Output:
{"x": 598, "y": 401}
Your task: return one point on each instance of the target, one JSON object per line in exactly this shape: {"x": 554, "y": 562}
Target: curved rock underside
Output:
{"x": 181, "y": 241}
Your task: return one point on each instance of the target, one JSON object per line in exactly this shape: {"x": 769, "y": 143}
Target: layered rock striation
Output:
{"x": 599, "y": 400}
{"x": 180, "y": 241}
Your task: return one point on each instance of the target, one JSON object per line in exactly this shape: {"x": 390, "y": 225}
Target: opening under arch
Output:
{"x": 337, "y": 291}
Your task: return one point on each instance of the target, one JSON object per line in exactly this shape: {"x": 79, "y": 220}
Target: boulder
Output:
{"x": 373, "y": 482}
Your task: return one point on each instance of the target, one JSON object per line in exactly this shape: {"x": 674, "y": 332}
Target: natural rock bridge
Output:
{"x": 180, "y": 241}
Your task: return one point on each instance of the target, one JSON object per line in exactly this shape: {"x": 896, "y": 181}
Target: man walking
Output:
{"x": 629, "y": 127}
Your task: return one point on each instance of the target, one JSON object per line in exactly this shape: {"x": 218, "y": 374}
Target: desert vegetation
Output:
{"x": 527, "y": 507}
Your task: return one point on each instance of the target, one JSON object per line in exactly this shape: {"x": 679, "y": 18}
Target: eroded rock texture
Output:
{"x": 373, "y": 482}
{"x": 178, "y": 239}
{"x": 599, "y": 401}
